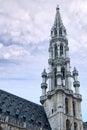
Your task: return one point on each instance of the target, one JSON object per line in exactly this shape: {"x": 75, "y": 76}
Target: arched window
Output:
{"x": 61, "y": 49}
{"x": 66, "y": 105}
{"x": 75, "y": 126}
{"x": 52, "y": 111}
{"x": 74, "y": 113}
{"x": 56, "y": 51}
{"x": 63, "y": 72}
{"x": 55, "y": 77}
{"x": 51, "y": 33}
{"x": 68, "y": 125}
{"x": 60, "y": 32}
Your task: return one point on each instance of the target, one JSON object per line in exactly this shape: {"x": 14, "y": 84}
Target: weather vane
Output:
{"x": 57, "y": 7}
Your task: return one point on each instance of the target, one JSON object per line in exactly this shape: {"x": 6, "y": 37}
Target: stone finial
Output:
{"x": 44, "y": 73}
{"x": 75, "y": 72}
{"x": 57, "y": 8}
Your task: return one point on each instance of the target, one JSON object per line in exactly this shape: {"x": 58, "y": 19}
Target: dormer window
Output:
{"x": 8, "y": 112}
{"x": 39, "y": 123}
{"x": 24, "y": 118}
{"x": 17, "y": 116}
{"x": 32, "y": 120}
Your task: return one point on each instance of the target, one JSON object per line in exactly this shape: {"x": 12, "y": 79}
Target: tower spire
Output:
{"x": 60, "y": 102}
{"x": 58, "y": 20}
{"x": 58, "y": 28}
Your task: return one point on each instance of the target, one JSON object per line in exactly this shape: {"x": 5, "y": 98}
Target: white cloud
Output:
{"x": 12, "y": 51}
{"x": 25, "y": 31}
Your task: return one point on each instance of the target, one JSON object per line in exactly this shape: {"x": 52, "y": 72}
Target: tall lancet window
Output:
{"x": 61, "y": 49}
{"x": 55, "y": 77}
{"x": 55, "y": 32}
{"x": 75, "y": 126}
{"x": 74, "y": 113}
{"x": 63, "y": 72}
{"x": 68, "y": 125}
{"x": 66, "y": 106}
{"x": 60, "y": 32}
{"x": 56, "y": 51}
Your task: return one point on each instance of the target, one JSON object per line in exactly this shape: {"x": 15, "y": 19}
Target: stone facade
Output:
{"x": 62, "y": 105}
{"x": 8, "y": 126}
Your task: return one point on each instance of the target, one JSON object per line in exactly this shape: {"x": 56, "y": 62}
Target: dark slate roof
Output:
{"x": 84, "y": 125}
{"x": 19, "y": 110}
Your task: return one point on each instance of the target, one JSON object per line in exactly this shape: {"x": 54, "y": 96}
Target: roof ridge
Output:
{"x": 19, "y": 97}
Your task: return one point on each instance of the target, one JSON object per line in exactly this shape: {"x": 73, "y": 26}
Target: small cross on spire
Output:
{"x": 57, "y": 8}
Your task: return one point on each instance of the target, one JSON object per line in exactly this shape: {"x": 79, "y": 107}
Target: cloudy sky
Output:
{"x": 24, "y": 39}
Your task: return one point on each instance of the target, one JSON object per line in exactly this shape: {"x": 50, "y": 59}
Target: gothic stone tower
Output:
{"x": 62, "y": 105}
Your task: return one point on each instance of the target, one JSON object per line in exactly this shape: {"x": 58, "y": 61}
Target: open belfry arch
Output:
{"x": 62, "y": 105}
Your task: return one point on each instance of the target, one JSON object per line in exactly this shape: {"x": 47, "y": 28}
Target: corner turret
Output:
{"x": 43, "y": 86}
{"x": 76, "y": 83}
